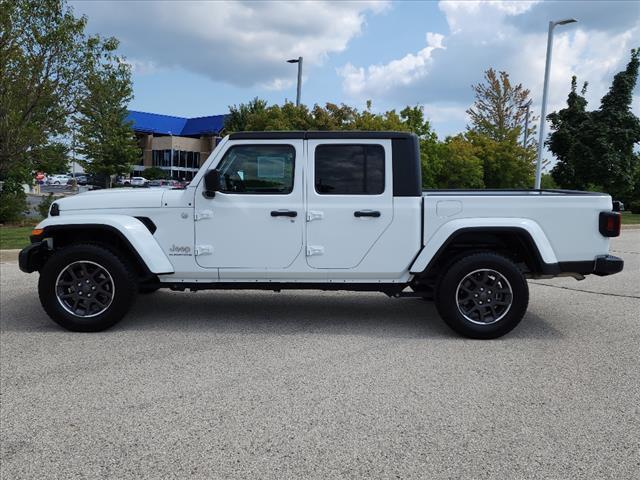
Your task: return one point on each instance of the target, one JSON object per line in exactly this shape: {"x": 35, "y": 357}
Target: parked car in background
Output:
{"x": 59, "y": 179}
{"x": 97, "y": 182}
{"x": 165, "y": 184}
{"x": 81, "y": 179}
{"x": 135, "y": 181}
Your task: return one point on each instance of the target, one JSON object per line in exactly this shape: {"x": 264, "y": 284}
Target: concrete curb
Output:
{"x": 9, "y": 255}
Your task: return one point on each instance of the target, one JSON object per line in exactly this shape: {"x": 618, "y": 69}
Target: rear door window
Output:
{"x": 349, "y": 169}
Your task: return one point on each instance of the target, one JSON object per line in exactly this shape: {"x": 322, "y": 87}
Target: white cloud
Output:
{"x": 377, "y": 79}
{"x": 502, "y": 35}
{"x": 445, "y": 112}
{"x": 241, "y": 43}
{"x": 476, "y": 14}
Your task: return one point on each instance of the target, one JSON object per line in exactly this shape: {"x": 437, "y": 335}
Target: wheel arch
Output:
{"x": 130, "y": 236}
{"x": 528, "y": 247}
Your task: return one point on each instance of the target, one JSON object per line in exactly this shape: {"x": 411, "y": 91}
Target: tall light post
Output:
{"x": 299, "y": 62}
{"x": 545, "y": 91}
{"x": 526, "y": 106}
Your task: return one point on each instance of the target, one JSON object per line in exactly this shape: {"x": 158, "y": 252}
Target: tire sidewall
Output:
{"x": 124, "y": 287}
{"x": 446, "y": 295}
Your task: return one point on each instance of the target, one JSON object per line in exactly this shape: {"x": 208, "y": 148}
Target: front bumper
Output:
{"x": 31, "y": 258}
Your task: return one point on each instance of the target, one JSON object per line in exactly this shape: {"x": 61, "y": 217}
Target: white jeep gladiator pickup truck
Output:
{"x": 318, "y": 210}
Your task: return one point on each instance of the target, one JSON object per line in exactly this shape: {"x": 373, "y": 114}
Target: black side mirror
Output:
{"x": 211, "y": 183}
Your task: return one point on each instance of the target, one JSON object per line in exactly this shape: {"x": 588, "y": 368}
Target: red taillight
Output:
{"x": 610, "y": 224}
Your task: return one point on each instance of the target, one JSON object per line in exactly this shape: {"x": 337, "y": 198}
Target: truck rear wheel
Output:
{"x": 482, "y": 295}
{"x": 86, "y": 288}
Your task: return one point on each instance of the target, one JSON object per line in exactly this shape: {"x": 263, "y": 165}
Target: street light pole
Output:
{"x": 545, "y": 91}
{"x": 526, "y": 124}
{"x": 299, "y": 62}
{"x": 543, "y": 109}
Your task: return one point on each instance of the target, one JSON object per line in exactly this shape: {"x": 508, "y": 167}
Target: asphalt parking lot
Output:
{"x": 325, "y": 385}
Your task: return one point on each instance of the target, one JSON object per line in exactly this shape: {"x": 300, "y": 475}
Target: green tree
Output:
{"x": 506, "y": 163}
{"x": 458, "y": 164}
{"x": 240, "y": 116}
{"x": 257, "y": 115}
{"x": 332, "y": 116}
{"x": 45, "y": 56}
{"x": 565, "y": 141}
{"x": 497, "y": 124}
{"x": 547, "y": 182}
{"x": 616, "y": 130}
{"x": 42, "y": 52}
{"x": 595, "y": 150}
{"x": 51, "y": 158}
{"x": 104, "y": 137}
{"x": 41, "y": 47}
{"x": 499, "y": 107}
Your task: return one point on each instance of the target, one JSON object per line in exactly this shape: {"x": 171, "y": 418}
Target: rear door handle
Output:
{"x": 366, "y": 213}
{"x": 283, "y": 213}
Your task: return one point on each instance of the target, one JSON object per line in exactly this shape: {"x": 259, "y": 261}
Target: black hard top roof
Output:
{"x": 307, "y": 135}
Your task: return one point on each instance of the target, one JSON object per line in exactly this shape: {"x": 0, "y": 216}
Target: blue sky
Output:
{"x": 196, "y": 58}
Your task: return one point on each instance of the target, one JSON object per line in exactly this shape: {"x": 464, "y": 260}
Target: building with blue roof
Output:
{"x": 177, "y": 145}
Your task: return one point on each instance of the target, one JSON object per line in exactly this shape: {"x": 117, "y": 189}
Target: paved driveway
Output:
{"x": 325, "y": 385}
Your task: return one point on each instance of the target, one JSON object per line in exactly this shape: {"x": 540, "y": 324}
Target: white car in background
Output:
{"x": 136, "y": 181}
{"x": 60, "y": 179}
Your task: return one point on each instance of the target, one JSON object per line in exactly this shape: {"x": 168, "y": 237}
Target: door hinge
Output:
{"x": 203, "y": 250}
{"x": 314, "y": 215}
{"x": 203, "y": 214}
{"x": 314, "y": 250}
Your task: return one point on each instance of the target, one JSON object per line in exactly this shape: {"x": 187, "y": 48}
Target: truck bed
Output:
{"x": 568, "y": 219}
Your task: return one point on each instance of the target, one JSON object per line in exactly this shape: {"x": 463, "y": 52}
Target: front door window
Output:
{"x": 258, "y": 169}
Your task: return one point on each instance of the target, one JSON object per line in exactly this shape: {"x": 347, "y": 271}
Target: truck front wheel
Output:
{"x": 86, "y": 288}
{"x": 482, "y": 295}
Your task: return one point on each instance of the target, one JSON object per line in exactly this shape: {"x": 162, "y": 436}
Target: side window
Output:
{"x": 257, "y": 169}
{"x": 349, "y": 169}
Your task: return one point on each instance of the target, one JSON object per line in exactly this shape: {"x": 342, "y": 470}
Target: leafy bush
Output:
{"x": 13, "y": 206}
{"x": 44, "y": 205}
{"x": 154, "y": 173}
{"x": 547, "y": 182}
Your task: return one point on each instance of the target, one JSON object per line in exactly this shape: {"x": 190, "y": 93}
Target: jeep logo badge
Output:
{"x": 176, "y": 250}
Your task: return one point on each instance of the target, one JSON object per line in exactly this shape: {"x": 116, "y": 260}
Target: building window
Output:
{"x": 182, "y": 163}
{"x": 161, "y": 158}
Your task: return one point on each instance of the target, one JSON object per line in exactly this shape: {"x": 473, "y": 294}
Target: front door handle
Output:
{"x": 283, "y": 213}
{"x": 366, "y": 213}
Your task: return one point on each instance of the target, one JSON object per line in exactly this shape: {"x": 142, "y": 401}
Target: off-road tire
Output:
{"x": 453, "y": 297}
{"x": 123, "y": 279}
